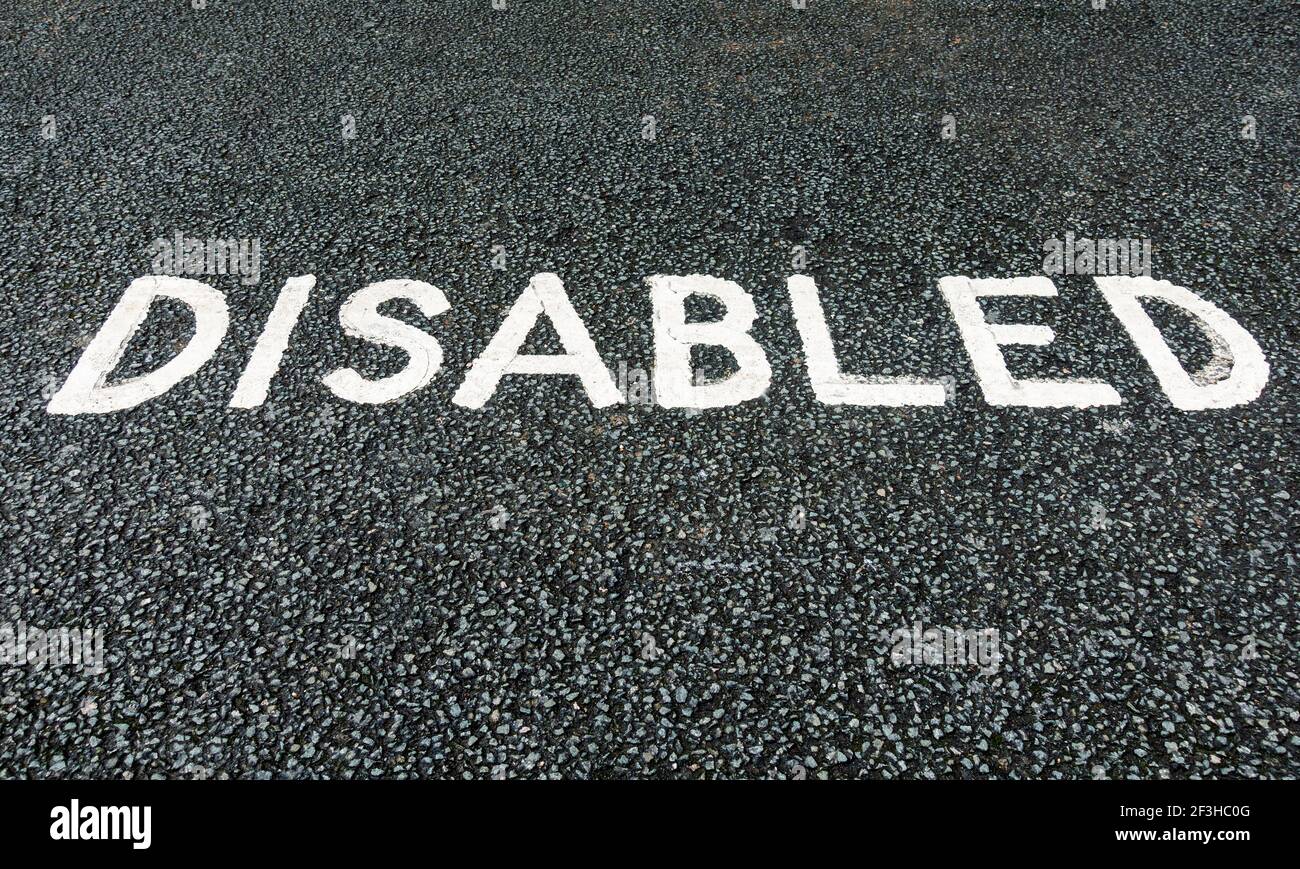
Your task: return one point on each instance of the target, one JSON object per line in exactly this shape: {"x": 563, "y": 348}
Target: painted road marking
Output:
{"x": 1237, "y": 373}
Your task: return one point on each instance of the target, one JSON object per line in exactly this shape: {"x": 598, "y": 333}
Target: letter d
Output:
{"x": 86, "y": 391}
{"x": 1249, "y": 370}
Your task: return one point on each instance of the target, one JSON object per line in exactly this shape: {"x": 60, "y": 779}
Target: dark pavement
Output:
{"x": 543, "y": 588}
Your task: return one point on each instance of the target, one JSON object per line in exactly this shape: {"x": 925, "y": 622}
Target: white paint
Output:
{"x": 673, "y": 377}
{"x": 828, "y": 383}
{"x": 1234, "y": 347}
{"x": 86, "y": 390}
{"x": 983, "y": 339}
{"x": 360, "y": 318}
{"x": 265, "y": 361}
{"x": 544, "y": 295}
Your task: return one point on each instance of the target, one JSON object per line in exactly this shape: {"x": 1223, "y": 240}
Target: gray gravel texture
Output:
{"x": 542, "y": 589}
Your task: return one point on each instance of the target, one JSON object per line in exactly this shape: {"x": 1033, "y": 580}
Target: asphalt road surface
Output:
{"x": 544, "y": 588}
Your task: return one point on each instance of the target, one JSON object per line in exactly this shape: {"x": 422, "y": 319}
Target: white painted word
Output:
{"x": 1236, "y": 375}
